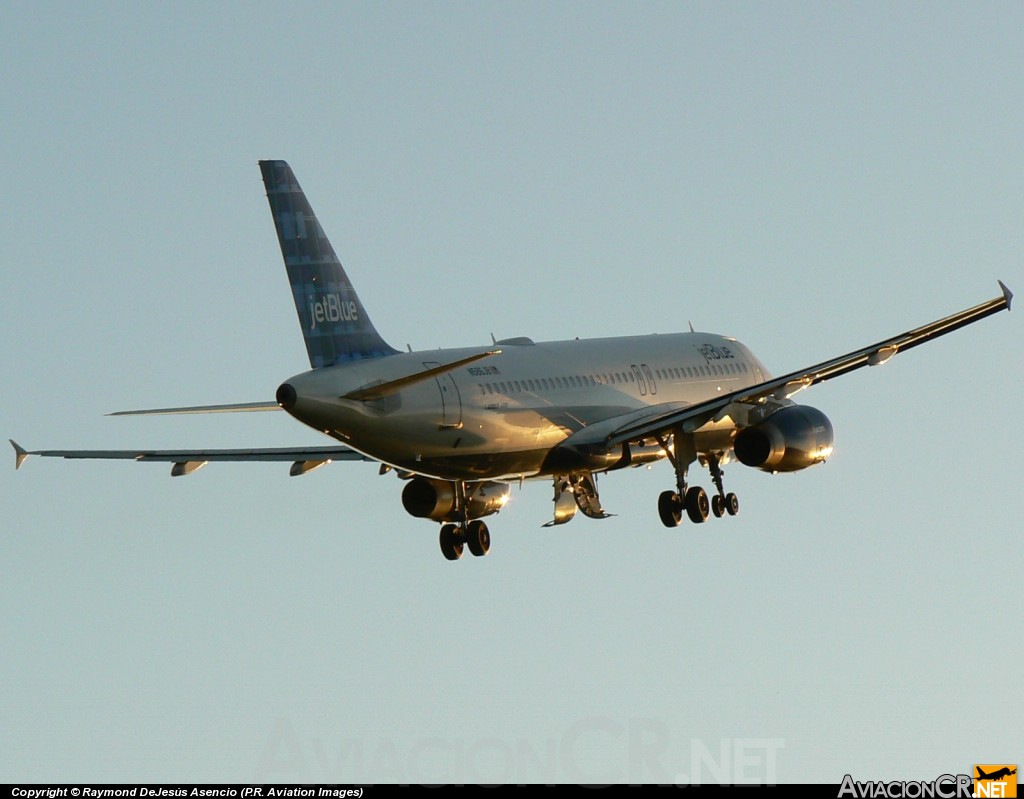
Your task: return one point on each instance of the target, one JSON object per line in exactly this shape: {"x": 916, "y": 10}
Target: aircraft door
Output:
{"x": 650, "y": 378}
{"x": 641, "y": 382}
{"x": 451, "y": 400}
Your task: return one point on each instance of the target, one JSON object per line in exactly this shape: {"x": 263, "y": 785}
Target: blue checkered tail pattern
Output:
{"x": 336, "y": 327}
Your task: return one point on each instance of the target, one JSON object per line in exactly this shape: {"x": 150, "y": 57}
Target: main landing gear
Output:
{"x": 472, "y": 533}
{"x": 455, "y": 537}
{"x": 693, "y": 499}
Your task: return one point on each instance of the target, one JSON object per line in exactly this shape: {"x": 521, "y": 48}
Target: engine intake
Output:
{"x": 435, "y": 499}
{"x": 791, "y": 439}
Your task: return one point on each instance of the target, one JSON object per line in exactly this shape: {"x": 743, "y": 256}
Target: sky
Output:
{"x": 807, "y": 177}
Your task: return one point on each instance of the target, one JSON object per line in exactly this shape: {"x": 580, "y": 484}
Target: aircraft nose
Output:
{"x": 286, "y": 396}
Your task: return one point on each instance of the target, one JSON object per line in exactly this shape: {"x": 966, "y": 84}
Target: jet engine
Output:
{"x": 791, "y": 439}
{"x": 435, "y": 499}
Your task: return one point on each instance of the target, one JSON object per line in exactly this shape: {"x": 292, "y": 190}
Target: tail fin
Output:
{"x": 334, "y": 322}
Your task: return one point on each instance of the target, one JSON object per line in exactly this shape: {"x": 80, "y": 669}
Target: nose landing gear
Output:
{"x": 721, "y": 503}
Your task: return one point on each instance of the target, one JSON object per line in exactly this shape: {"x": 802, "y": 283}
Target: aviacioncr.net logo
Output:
{"x": 996, "y": 780}
{"x": 945, "y": 786}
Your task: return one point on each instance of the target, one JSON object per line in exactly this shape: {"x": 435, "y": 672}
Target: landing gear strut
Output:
{"x": 671, "y": 504}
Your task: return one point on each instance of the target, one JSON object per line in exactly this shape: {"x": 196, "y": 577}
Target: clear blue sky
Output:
{"x": 807, "y": 177}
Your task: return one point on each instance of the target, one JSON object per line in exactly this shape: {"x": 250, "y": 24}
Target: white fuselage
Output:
{"x": 506, "y": 415}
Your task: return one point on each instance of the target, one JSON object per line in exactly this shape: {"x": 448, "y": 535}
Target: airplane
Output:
{"x": 461, "y": 426}
{"x": 995, "y": 775}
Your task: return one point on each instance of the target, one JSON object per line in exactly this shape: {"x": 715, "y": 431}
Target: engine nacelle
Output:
{"x": 791, "y": 439}
{"x": 435, "y": 499}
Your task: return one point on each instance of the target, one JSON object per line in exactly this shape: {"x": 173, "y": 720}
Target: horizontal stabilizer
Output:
{"x": 186, "y": 460}
{"x": 382, "y": 390}
{"x": 245, "y": 407}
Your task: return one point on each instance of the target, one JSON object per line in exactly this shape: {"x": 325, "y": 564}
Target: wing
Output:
{"x": 690, "y": 418}
{"x": 186, "y": 461}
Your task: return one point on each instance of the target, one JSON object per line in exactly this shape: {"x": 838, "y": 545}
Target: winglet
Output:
{"x": 19, "y": 454}
{"x": 1006, "y": 293}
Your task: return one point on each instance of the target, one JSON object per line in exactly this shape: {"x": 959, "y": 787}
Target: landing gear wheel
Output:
{"x": 732, "y": 504}
{"x": 718, "y": 505}
{"x": 697, "y": 504}
{"x": 670, "y": 509}
{"x": 451, "y": 542}
{"x": 478, "y": 538}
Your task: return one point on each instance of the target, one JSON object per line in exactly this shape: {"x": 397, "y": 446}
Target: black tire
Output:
{"x": 451, "y": 542}
{"x": 732, "y": 504}
{"x": 670, "y": 509}
{"x": 478, "y": 538}
{"x": 697, "y": 505}
{"x": 718, "y": 505}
